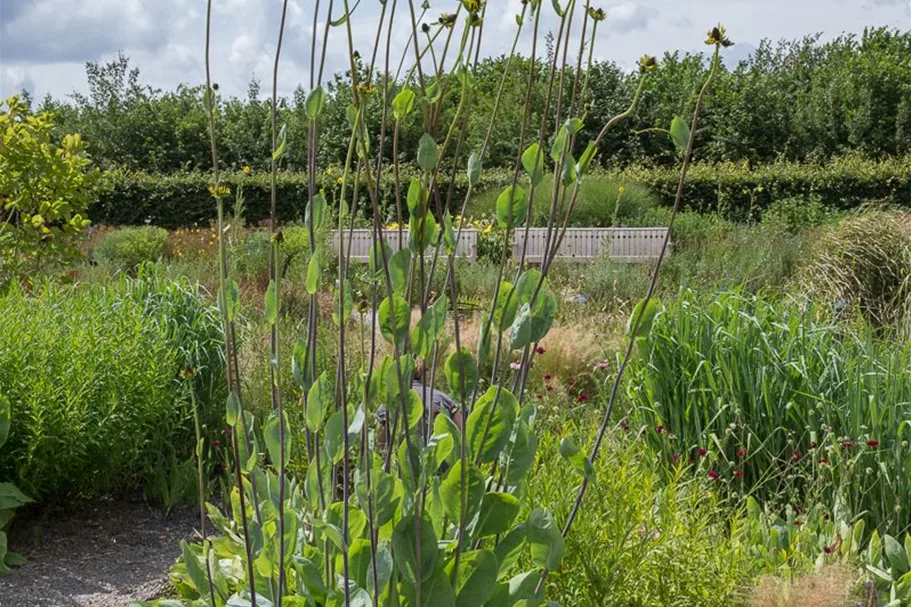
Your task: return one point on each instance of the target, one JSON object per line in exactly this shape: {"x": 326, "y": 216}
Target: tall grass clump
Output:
{"x": 861, "y": 267}
{"x": 765, "y": 397}
{"x": 92, "y": 375}
{"x": 127, "y": 248}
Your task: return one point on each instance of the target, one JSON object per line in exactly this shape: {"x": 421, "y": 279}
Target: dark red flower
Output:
{"x": 713, "y": 474}
{"x": 799, "y": 509}
{"x": 826, "y": 516}
{"x": 738, "y": 473}
{"x": 701, "y": 452}
{"x": 215, "y": 443}
{"x": 797, "y": 522}
{"x": 742, "y": 452}
{"x": 540, "y": 350}
{"x": 582, "y": 397}
{"x": 847, "y": 444}
{"x": 823, "y": 462}
{"x": 827, "y": 549}
{"x": 873, "y": 443}
{"x": 675, "y": 457}
{"x": 547, "y": 378}
{"x": 659, "y": 429}
{"x": 550, "y": 388}
{"x": 624, "y": 424}
{"x": 813, "y": 444}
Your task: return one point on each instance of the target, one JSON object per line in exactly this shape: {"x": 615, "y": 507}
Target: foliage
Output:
{"x": 646, "y": 539}
{"x": 120, "y": 410}
{"x": 45, "y": 189}
{"x": 128, "y": 248}
{"x": 862, "y": 266}
{"x": 10, "y": 497}
{"x": 766, "y": 397}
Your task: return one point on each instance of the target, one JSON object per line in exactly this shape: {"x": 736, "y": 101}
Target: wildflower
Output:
{"x": 602, "y": 364}
{"x": 540, "y": 350}
{"x": 550, "y": 388}
{"x": 515, "y": 366}
{"x": 448, "y": 19}
{"x": 425, "y": 27}
{"x": 823, "y": 462}
{"x": 718, "y": 36}
{"x": 215, "y": 443}
{"x": 827, "y": 549}
{"x": 713, "y": 474}
{"x": 813, "y": 444}
{"x": 340, "y": 180}
{"x": 873, "y": 444}
{"x": 582, "y": 397}
{"x": 624, "y": 424}
{"x": 329, "y": 171}
{"x": 187, "y": 372}
{"x": 675, "y": 457}
{"x": 738, "y": 473}
{"x": 701, "y": 452}
{"x": 796, "y": 455}
{"x": 797, "y": 522}
{"x": 847, "y": 444}
{"x": 647, "y": 64}
{"x": 547, "y": 377}
{"x": 660, "y": 429}
{"x": 247, "y": 170}
{"x": 742, "y": 452}
{"x": 826, "y": 516}
{"x": 623, "y": 189}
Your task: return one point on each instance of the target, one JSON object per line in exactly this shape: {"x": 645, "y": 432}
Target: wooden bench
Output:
{"x": 579, "y": 244}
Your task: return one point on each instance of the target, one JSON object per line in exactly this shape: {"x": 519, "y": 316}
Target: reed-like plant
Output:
{"x": 426, "y": 512}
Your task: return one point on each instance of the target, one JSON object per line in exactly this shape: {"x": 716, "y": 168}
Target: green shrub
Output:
{"x": 92, "y": 376}
{"x": 796, "y": 214}
{"x": 128, "y": 248}
{"x": 642, "y": 539}
{"x": 863, "y": 264}
{"x": 778, "y": 402}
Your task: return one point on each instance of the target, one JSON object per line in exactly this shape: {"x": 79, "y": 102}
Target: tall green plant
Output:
{"x": 428, "y": 512}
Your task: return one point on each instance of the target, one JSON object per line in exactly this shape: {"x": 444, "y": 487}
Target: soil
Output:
{"x": 107, "y": 554}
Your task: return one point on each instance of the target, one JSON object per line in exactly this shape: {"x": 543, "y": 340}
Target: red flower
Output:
{"x": 738, "y": 473}
{"x": 624, "y": 424}
{"x": 602, "y": 364}
{"x": 701, "y": 452}
{"x": 847, "y": 444}
{"x": 540, "y": 350}
{"x": 813, "y": 444}
{"x": 675, "y": 457}
{"x": 797, "y": 522}
{"x": 538, "y": 395}
{"x": 827, "y": 549}
{"x": 547, "y": 378}
{"x": 826, "y": 516}
{"x": 215, "y": 443}
{"x": 550, "y": 388}
{"x": 659, "y": 429}
{"x": 796, "y": 455}
{"x": 582, "y": 397}
{"x": 799, "y": 509}
{"x": 823, "y": 462}
{"x": 713, "y": 474}
{"x": 873, "y": 444}
{"x": 742, "y": 452}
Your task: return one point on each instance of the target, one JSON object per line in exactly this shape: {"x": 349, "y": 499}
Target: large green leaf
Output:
{"x": 403, "y": 103}
{"x": 272, "y": 438}
{"x": 680, "y": 133}
{"x": 504, "y": 312}
{"x": 343, "y": 303}
{"x": 395, "y": 319}
{"x": 422, "y": 232}
{"x": 233, "y": 409}
{"x": 436, "y": 591}
{"x": 316, "y": 99}
{"x": 5, "y": 416}
{"x": 333, "y": 439}
{"x": 577, "y": 458}
{"x": 319, "y": 400}
{"x": 271, "y": 304}
{"x": 544, "y": 538}
{"x": 490, "y": 423}
{"x": 314, "y": 272}
{"x": 12, "y": 497}
{"x": 429, "y": 328}
{"x": 474, "y": 169}
{"x": 417, "y": 198}
{"x": 519, "y": 456}
{"x": 641, "y": 320}
{"x": 532, "y": 322}
{"x": 428, "y": 153}
{"x": 451, "y": 491}
{"x": 510, "y": 549}
{"x": 512, "y": 206}
{"x": 498, "y": 511}
{"x": 477, "y": 577}
{"x": 317, "y": 208}
{"x": 533, "y": 162}
{"x": 409, "y": 532}
{"x": 461, "y": 372}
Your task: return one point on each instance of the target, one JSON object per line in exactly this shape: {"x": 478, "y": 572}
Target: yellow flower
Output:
{"x": 488, "y": 229}
{"x": 329, "y": 171}
{"x": 247, "y": 171}
{"x": 622, "y": 190}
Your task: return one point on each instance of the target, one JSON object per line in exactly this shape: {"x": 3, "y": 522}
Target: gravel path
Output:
{"x": 104, "y": 555}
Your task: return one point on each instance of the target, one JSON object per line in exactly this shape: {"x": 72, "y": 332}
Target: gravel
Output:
{"x": 107, "y": 554}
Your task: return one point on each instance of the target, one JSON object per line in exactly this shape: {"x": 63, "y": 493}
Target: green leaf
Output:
{"x": 512, "y": 206}
{"x": 560, "y": 141}
{"x": 194, "y": 569}
{"x": 271, "y": 304}
{"x": 496, "y": 420}
{"x": 642, "y": 319}
{"x": 531, "y": 325}
{"x": 504, "y": 312}
{"x": 875, "y": 548}
{"x": 395, "y": 319}
{"x": 498, "y": 511}
{"x": 331, "y": 532}
{"x": 316, "y": 99}
{"x": 299, "y": 369}
{"x": 428, "y": 153}
{"x": 451, "y": 491}
{"x": 474, "y": 169}
{"x": 436, "y": 591}
{"x": 381, "y": 250}
{"x": 510, "y": 549}
{"x": 12, "y": 497}
{"x": 314, "y": 271}
{"x": 533, "y": 162}
{"x": 519, "y": 456}
{"x": 422, "y": 232}
{"x": 282, "y": 137}
{"x": 895, "y": 554}
{"x": 410, "y": 531}
{"x": 232, "y": 300}
{"x": 403, "y": 103}
{"x": 586, "y": 159}
{"x": 449, "y": 235}
{"x": 273, "y": 442}
{"x": 340, "y": 312}
{"x": 557, "y": 8}
{"x": 680, "y": 133}
{"x": 477, "y": 577}
{"x": 333, "y": 440}
{"x": 233, "y": 413}
{"x": 319, "y": 401}
{"x": 5, "y": 416}
{"x": 316, "y": 207}
{"x": 429, "y": 328}
{"x": 399, "y": 264}
{"x": 484, "y": 339}
{"x": 417, "y": 198}
{"x": 580, "y": 463}
{"x": 544, "y": 538}
{"x": 461, "y": 372}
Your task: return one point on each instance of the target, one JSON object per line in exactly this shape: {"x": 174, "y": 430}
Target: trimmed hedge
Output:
{"x": 734, "y": 190}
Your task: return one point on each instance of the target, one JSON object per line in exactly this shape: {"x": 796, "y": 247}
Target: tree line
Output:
{"x": 802, "y": 100}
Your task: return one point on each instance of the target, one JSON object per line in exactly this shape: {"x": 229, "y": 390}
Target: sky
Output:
{"x": 44, "y": 44}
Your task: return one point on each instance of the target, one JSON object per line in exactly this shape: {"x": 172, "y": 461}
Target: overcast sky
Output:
{"x": 44, "y": 44}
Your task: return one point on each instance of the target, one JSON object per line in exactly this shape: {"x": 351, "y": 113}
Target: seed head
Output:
{"x": 718, "y": 36}
{"x": 597, "y": 14}
{"x": 647, "y": 64}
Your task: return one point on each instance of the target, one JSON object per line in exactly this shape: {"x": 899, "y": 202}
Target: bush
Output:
{"x": 777, "y": 402}
{"x": 92, "y": 376}
{"x": 863, "y": 265}
{"x": 796, "y": 214}
{"x": 641, "y": 539}
{"x": 45, "y": 191}
{"x": 128, "y": 248}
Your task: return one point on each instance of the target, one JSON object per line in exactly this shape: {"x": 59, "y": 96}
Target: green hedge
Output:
{"x": 180, "y": 200}
{"x": 734, "y": 189}
{"x": 92, "y": 374}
